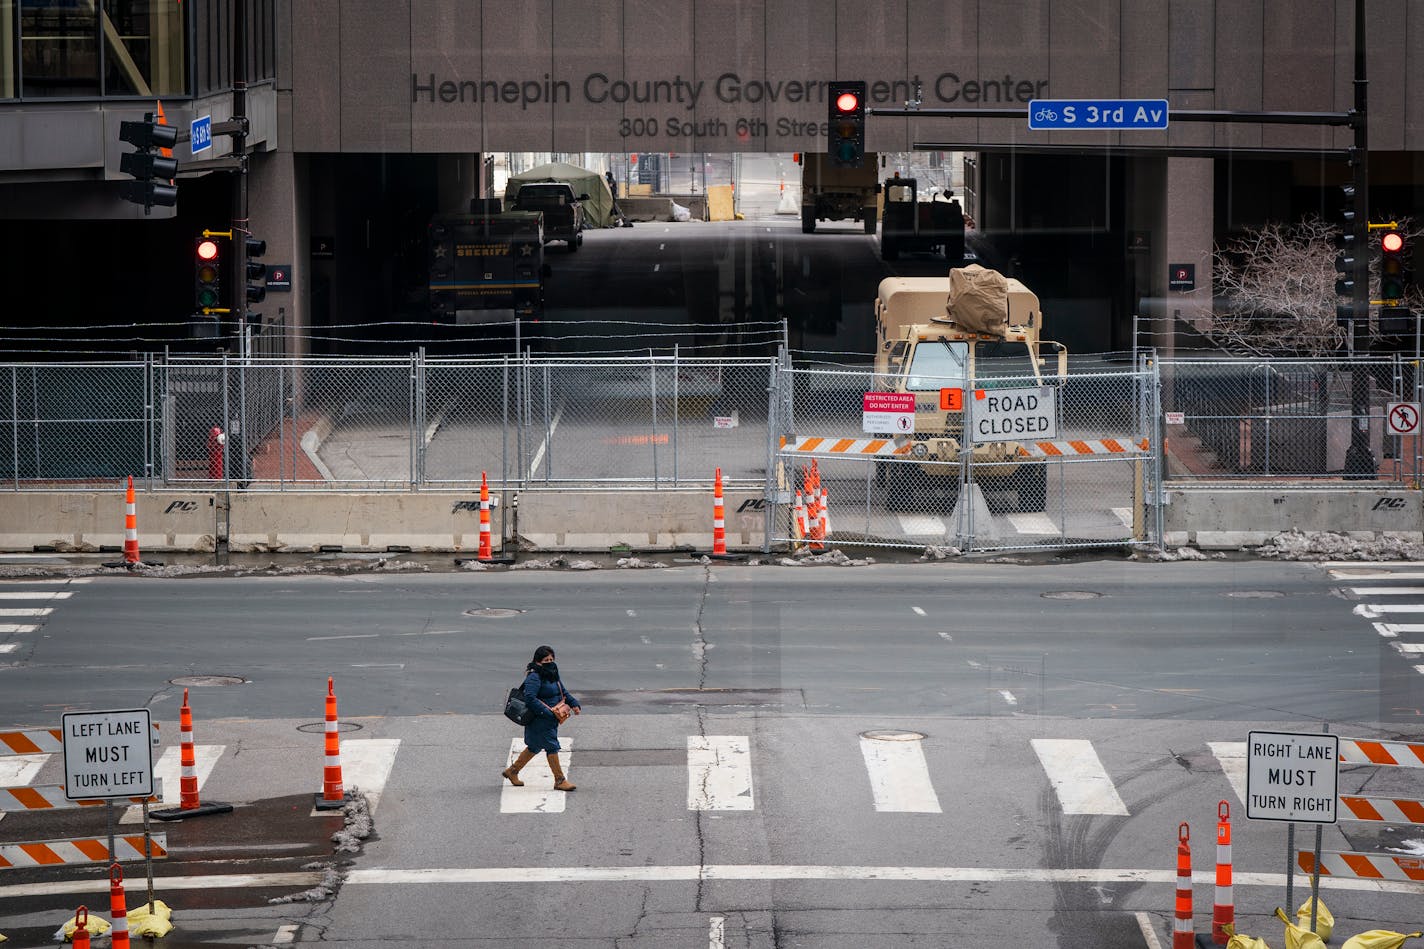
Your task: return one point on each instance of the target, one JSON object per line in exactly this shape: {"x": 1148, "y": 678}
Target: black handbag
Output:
{"x": 516, "y": 709}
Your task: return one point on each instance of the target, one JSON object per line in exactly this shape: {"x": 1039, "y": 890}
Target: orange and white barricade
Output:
{"x": 1391, "y": 809}
{"x": 719, "y": 518}
{"x": 1392, "y": 754}
{"x": 486, "y": 548}
{"x": 131, "y": 556}
{"x": 1364, "y": 866}
{"x": 1182, "y": 933}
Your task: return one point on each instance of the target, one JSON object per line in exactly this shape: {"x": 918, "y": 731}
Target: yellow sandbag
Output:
{"x": 1240, "y": 941}
{"x": 96, "y": 925}
{"x": 1379, "y": 939}
{"x": 1298, "y": 937}
{"x": 160, "y": 909}
{"x": 1324, "y": 921}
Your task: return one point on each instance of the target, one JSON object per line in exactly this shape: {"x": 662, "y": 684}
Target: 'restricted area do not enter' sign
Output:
{"x": 1292, "y": 776}
{"x": 107, "y": 754}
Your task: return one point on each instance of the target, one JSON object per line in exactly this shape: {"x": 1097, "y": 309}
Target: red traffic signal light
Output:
{"x": 207, "y": 275}
{"x": 847, "y": 102}
{"x": 207, "y": 249}
{"x": 845, "y": 123}
{"x": 1392, "y": 242}
{"x": 1391, "y": 266}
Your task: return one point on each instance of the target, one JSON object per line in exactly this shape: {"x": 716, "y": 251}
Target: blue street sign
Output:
{"x": 202, "y": 134}
{"x": 1097, "y": 114}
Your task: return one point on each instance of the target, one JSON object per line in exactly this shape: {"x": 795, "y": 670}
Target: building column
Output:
{"x": 1190, "y": 234}
{"x": 275, "y": 207}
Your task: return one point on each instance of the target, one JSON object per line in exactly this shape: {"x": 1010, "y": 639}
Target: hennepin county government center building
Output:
{"x": 363, "y": 118}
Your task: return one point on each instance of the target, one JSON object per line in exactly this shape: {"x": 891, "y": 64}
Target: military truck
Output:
{"x": 833, "y": 193}
{"x": 487, "y": 265}
{"x": 909, "y": 224}
{"x": 936, "y": 336}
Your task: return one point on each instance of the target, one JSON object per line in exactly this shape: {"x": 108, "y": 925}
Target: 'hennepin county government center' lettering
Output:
{"x": 947, "y": 89}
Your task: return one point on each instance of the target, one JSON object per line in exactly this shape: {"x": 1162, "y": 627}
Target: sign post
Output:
{"x": 1294, "y": 776}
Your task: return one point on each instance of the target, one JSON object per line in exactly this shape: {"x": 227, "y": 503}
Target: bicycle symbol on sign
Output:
{"x": 1045, "y": 115}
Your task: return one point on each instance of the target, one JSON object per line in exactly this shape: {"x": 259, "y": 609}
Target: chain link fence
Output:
{"x": 996, "y": 462}
{"x": 1293, "y": 419}
{"x": 387, "y": 424}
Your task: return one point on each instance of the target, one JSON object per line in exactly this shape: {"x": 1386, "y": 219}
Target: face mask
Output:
{"x": 548, "y": 671}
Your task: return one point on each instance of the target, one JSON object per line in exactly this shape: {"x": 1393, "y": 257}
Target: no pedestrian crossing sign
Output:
{"x": 1403, "y": 418}
{"x": 107, "y": 754}
{"x": 1120, "y": 114}
{"x": 1292, "y": 776}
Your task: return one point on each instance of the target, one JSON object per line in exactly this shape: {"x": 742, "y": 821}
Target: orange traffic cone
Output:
{"x": 118, "y": 909}
{"x": 189, "y": 804}
{"x": 719, "y": 519}
{"x": 1223, "y": 910}
{"x": 825, "y": 513}
{"x": 813, "y": 491}
{"x": 1183, "y": 936}
{"x": 798, "y": 514}
{"x": 332, "y": 796}
{"x": 130, "y": 527}
{"x": 80, "y": 940}
{"x": 486, "y": 552}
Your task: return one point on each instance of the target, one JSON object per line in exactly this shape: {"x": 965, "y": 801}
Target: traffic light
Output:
{"x": 207, "y": 276}
{"x": 1347, "y": 266}
{"x": 1391, "y": 267}
{"x": 846, "y": 123}
{"x": 256, "y": 270}
{"x": 154, "y": 172}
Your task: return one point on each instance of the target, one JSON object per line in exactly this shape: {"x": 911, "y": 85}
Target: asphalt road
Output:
{"x": 1070, "y": 715}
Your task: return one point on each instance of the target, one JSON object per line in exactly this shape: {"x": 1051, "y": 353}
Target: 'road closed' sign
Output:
{"x": 1292, "y": 776}
{"x": 1010, "y": 415}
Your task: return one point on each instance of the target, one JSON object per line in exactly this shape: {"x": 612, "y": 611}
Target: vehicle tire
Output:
{"x": 869, "y": 217}
{"x": 808, "y": 221}
{"x": 1032, "y": 482}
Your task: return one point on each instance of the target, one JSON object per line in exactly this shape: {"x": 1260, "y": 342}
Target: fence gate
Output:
{"x": 1083, "y": 473}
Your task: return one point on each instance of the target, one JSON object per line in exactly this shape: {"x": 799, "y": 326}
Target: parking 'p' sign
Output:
{"x": 1403, "y": 418}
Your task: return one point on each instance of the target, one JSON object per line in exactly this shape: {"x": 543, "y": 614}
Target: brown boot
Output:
{"x": 512, "y": 772}
{"x": 560, "y": 782}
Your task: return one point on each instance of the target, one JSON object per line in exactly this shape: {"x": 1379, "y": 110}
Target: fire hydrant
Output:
{"x": 216, "y": 440}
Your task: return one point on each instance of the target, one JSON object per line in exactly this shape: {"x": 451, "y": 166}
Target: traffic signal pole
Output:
{"x": 241, "y": 225}
{"x": 1359, "y": 458}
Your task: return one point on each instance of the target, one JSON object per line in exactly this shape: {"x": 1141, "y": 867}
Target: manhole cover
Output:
{"x": 1071, "y": 595}
{"x": 1256, "y": 594}
{"x": 321, "y": 727}
{"x": 200, "y": 681}
{"x": 892, "y": 734}
{"x": 494, "y": 612}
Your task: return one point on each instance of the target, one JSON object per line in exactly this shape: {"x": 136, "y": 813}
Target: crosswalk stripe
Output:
{"x": 17, "y": 628}
{"x": 1078, "y": 776}
{"x": 169, "y": 769}
{"x": 8, "y": 647}
{"x": 1232, "y": 756}
{"x": 27, "y": 611}
{"x": 60, "y": 581}
{"x": 719, "y": 773}
{"x": 899, "y": 777}
{"x": 538, "y": 795}
{"x": 34, "y": 595}
{"x": 1034, "y": 523}
{"x": 1375, "y": 575}
{"x": 366, "y": 765}
{"x": 19, "y": 770}
{"x": 1373, "y": 610}
{"x": 1409, "y": 649}
{"x": 1391, "y": 630}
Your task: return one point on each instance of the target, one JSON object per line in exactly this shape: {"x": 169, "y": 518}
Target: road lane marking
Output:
{"x": 1008, "y": 696}
{"x": 538, "y": 795}
{"x": 544, "y": 443}
{"x": 28, "y": 611}
{"x": 899, "y": 777}
{"x": 1232, "y": 757}
{"x": 7, "y": 647}
{"x": 919, "y": 610}
{"x": 1376, "y": 575}
{"x": 318, "y": 639}
{"x": 366, "y": 766}
{"x": 1409, "y": 649}
{"x": 16, "y": 771}
{"x": 1144, "y": 923}
{"x": 17, "y": 628}
{"x": 921, "y": 525}
{"x": 1376, "y": 610}
{"x": 1034, "y": 524}
{"x": 386, "y": 876}
{"x": 34, "y": 595}
{"x": 719, "y": 773}
{"x": 168, "y": 769}
{"x": 1078, "y": 776}
{"x": 1385, "y": 591}
{"x": 285, "y": 935}
{"x": 62, "y": 581}
{"x": 715, "y": 933}
{"x": 946, "y": 637}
